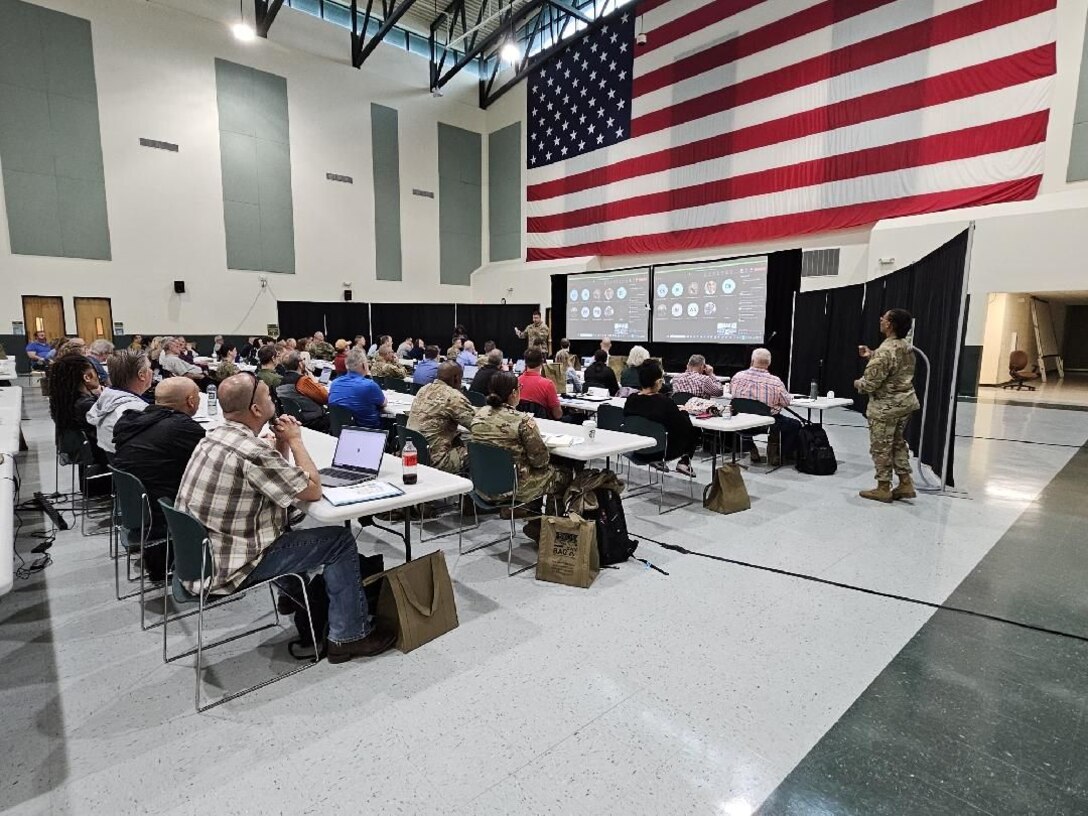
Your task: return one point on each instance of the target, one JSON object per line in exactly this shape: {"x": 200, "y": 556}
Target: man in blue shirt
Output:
{"x": 39, "y": 351}
{"x": 467, "y": 355}
{"x": 427, "y": 368}
{"x": 356, "y": 392}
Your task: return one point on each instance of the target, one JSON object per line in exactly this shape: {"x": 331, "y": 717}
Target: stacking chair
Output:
{"x": 188, "y": 540}
{"x": 132, "y": 512}
{"x": 476, "y": 399}
{"x": 653, "y": 454}
{"x": 339, "y": 417}
{"x": 74, "y": 450}
{"x": 493, "y": 473}
{"x": 383, "y": 382}
{"x": 413, "y": 388}
{"x": 534, "y": 408}
{"x": 291, "y": 407}
{"x": 742, "y": 405}
{"x": 404, "y": 433}
{"x": 397, "y": 384}
{"x": 681, "y": 397}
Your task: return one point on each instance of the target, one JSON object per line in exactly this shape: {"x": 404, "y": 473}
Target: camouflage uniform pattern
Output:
{"x": 889, "y": 381}
{"x": 437, "y": 413}
{"x": 538, "y": 335}
{"x": 384, "y": 368}
{"x": 322, "y": 350}
{"x": 509, "y": 429}
{"x": 225, "y": 369}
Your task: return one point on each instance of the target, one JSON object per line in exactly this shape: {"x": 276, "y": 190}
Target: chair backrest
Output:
{"x": 617, "y": 363}
{"x": 291, "y": 407}
{"x": 404, "y": 433}
{"x": 1018, "y": 360}
{"x": 534, "y": 408}
{"x": 339, "y": 417}
{"x": 188, "y": 542}
{"x": 640, "y": 426}
{"x": 476, "y": 399}
{"x": 132, "y": 502}
{"x": 383, "y": 382}
{"x": 396, "y": 384}
{"x": 557, "y": 374}
{"x": 74, "y": 447}
{"x": 609, "y": 417}
{"x": 413, "y": 387}
{"x": 743, "y": 405}
{"x": 491, "y": 469}
{"x": 681, "y": 397}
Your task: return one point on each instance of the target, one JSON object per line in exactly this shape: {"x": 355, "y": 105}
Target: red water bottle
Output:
{"x": 409, "y": 459}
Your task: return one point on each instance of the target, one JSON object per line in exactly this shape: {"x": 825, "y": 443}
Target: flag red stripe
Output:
{"x": 961, "y": 144}
{"x": 787, "y": 226}
{"x": 693, "y": 21}
{"x": 745, "y": 45}
{"x": 953, "y": 25}
{"x": 978, "y": 79}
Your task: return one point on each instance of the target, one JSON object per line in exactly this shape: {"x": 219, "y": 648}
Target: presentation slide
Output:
{"x": 717, "y": 302}
{"x": 613, "y": 304}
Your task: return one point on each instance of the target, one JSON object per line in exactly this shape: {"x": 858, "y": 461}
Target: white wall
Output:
{"x": 154, "y": 64}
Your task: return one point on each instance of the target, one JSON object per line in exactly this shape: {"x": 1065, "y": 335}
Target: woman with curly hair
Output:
{"x": 73, "y": 390}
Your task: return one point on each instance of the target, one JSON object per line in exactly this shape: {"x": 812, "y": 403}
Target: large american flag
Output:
{"x": 750, "y": 120}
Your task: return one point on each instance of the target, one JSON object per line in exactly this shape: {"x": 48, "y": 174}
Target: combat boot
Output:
{"x": 881, "y": 493}
{"x": 905, "y": 489}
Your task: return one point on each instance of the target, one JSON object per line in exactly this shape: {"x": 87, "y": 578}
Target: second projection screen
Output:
{"x": 717, "y": 302}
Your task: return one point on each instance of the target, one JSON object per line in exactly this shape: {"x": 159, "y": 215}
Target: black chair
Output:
{"x": 397, "y": 384}
{"x": 132, "y": 532}
{"x": 383, "y": 382}
{"x": 193, "y": 564}
{"x": 681, "y": 397}
{"x": 653, "y": 454}
{"x": 743, "y": 405}
{"x": 291, "y": 407}
{"x": 339, "y": 417}
{"x": 476, "y": 399}
{"x": 609, "y": 417}
{"x": 535, "y": 408}
{"x": 413, "y": 387}
{"x": 75, "y": 450}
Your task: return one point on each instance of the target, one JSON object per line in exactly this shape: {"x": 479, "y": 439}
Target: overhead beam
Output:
{"x": 264, "y": 12}
{"x": 481, "y": 47}
{"x": 361, "y": 48}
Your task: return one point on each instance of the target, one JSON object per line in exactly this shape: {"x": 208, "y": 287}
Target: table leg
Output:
{"x": 408, "y": 533}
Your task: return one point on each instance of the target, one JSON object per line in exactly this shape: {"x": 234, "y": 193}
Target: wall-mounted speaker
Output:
{"x": 179, "y": 287}
{"x": 347, "y": 294}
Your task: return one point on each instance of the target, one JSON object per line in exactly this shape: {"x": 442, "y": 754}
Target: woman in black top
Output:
{"x": 650, "y": 403}
{"x": 599, "y": 375}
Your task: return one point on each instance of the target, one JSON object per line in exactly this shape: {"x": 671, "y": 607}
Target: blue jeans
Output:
{"x": 300, "y": 551}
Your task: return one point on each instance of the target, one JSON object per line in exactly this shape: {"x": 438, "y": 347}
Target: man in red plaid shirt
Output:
{"x": 698, "y": 380}
{"x": 757, "y": 383}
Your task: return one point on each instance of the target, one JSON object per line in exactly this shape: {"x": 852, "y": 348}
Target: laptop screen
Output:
{"x": 519, "y": 367}
{"x": 326, "y": 375}
{"x": 360, "y": 449}
{"x": 470, "y": 372}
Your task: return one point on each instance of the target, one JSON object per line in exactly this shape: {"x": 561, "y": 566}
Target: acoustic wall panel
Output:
{"x": 385, "y": 150}
{"x": 460, "y": 204}
{"x": 1078, "y": 150}
{"x": 504, "y": 193}
{"x": 255, "y": 153}
{"x": 50, "y": 143}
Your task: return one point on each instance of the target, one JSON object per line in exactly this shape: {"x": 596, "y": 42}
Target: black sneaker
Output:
{"x": 378, "y": 641}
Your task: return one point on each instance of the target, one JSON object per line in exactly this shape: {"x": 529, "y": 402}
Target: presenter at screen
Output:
{"x": 537, "y": 333}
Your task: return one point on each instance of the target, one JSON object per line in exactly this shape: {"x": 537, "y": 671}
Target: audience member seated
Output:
{"x": 636, "y": 357}
{"x": 240, "y": 487}
{"x": 419, "y": 349}
{"x": 268, "y": 358}
{"x": 227, "y": 366}
{"x": 427, "y": 368}
{"x": 299, "y": 385}
{"x": 599, "y": 374}
{"x": 757, "y": 383}
{"x": 154, "y": 352}
{"x": 501, "y": 424}
{"x": 320, "y": 349}
{"x": 360, "y": 342}
{"x": 72, "y": 345}
{"x": 386, "y": 365}
{"x": 467, "y": 356}
{"x": 565, "y": 360}
{"x": 39, "y": 351}
{"x": 171, "y": 362}
{"x": 73, "y": 390}
{"x": 249, "y": 349}
{"x": 98, "y": 353}
{"x": 650, "y": 403}
{"x": 537, "y": 388}
{"x": 439, "y": 412}
{"x": 186, "y": 351}
{"x": 698, "y": 380}
{"x": 356, "y": 392}
{"x": 454, "y": 349}
{"x": 217, "y": 345}
{"x": 130, "y": 373}
{"x": 339, "y": 361}
{"x": 404, "y": 350}
{"x": 492, "y": 363}
{"x": 137, "y": 343}
{"x": 383, "y": 340}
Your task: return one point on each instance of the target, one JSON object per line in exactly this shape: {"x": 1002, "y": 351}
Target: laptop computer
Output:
{"x": 519, "y": 367}
{"x": 326, "y": 375}
{"x": 469, "y": 373}
{"x": 357, "y": 459}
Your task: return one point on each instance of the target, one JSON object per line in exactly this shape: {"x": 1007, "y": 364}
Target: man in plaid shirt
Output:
{"x": 757, "y": 383}
{"x": 698, "y": 380}
{"x": 240, "y": 488}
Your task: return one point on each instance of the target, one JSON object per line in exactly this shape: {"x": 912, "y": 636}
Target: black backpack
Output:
{"x": 613, "y": 543}
{"x": 815, "y": 455}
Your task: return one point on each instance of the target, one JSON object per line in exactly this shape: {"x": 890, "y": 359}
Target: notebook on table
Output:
{"x": 357, "y": 493}
{"x": 358, "y": 457}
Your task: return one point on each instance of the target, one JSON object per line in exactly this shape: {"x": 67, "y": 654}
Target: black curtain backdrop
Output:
{"x": 347, "y": 320}
{"x": 783, "y": 281}
{"x": 493, "y": 321}
{"x": 810, "y": 325}
{"x": 301, "y": 318}
{"x": 431, "y": 321}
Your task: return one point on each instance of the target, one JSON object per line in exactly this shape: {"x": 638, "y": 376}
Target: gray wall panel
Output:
{"x": 385, "y": 152}
{"x": 1078, "y": 149}
{"x": 504, "y": 193}
{"x": 33, "y": 214}
{"x": 460, "y": 204}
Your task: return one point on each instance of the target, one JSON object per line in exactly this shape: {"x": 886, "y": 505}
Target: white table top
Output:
{"x": 432, "y": 484}
{"x": 7, "y": 369}
{"x": 607, "y": 443}
{"x": 11, "y": 417}
{"x": 821, "y": 403}
{"x": 739, "y": 422}
{"x": 7, "y": 522}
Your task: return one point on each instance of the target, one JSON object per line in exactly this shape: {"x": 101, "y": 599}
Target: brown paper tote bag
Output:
{"x": 568, "y": 551}
{"x": 726, "y": 493}
{"x": 417, "y": 599}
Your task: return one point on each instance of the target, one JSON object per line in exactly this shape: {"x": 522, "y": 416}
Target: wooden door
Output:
{"x": 44, "y": 314}
{"x": 94, "y": 319}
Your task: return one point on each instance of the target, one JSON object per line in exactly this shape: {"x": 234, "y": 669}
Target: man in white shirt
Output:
{"x": 171, "y": 362}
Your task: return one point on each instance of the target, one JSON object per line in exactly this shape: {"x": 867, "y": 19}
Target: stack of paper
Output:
{"x": 354, "y": 494}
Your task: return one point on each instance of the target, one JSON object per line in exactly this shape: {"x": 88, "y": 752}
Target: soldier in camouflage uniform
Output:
{"x": 537, "y": 333}
{"x": 320, "y": 349}
{"x": 387, "y": 366}
{"x": 439, "y": 411}
{"x": 502, "y": 425}
{"x": 889, "y": 381}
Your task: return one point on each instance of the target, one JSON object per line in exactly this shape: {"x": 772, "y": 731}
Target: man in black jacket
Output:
{"x": 154, "y": 445}
{"x": 599, "y": 375}
{"x": 482, "y": 381}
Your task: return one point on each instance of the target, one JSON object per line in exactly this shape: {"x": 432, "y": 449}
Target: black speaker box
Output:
{"x": 179, "y": 287}
{"x": 347, "y": 294}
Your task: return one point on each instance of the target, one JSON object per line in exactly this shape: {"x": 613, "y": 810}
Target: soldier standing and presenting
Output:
{"x": 439, "y": 412}
{"x": 889, "y": 381}
{"x": 537, "y": 333}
